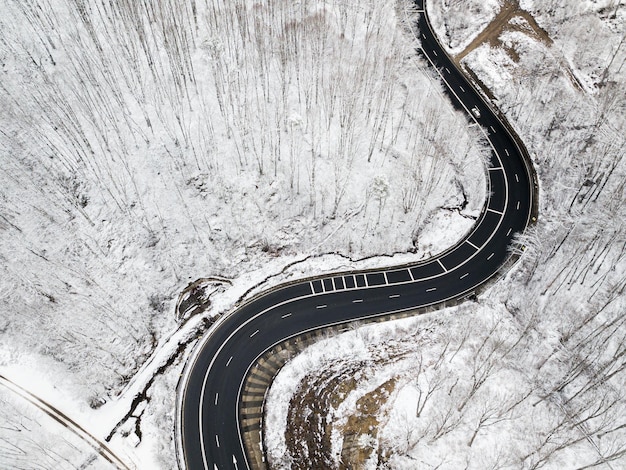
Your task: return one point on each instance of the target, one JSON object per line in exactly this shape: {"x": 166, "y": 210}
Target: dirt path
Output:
{"x": 501, "y": 23}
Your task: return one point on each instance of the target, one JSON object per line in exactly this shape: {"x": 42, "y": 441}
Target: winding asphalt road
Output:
{"x": 209, "y": 414}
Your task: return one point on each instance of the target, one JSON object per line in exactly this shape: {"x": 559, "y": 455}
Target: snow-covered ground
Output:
{"x": 30, "y": 438}
{"x": 147, "y": 144}
{"x": 532, "y": 375}
{"x": 457, "y": 22}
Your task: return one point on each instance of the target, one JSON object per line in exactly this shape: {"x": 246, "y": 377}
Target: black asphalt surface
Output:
{"x": 209, "y": 415}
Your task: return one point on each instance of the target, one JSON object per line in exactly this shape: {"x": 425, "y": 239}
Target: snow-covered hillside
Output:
{"x": 146, "y": 144}
{"x": 532, "y": 374}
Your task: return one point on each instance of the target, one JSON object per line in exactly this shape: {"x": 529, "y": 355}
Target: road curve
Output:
{"x": 208, "y": 427}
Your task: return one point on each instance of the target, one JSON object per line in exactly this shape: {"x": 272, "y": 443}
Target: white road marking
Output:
{"x": 495, "y": 168}
{"x": 217, "y": 440}
{"x": 490, "y": 256}
{"x": 507, "y": 152}
{"x": 494, "y": 211}
{"x": 492, "y": 129}
{"x": 394, "y": 296}
{"x": 217, "y": 395}
{"x": 441, "y": 264}
{"x": 322, "y": 306}
{"x": 447, "y": 70}
{"x": 435, "y": 52}
{"x": 464, "y": 275}
{"x": 472, "y": 245}
{"x": 312, "y": 288}
{"x": 431, "y": 289}
{"x": 323, "y": 285}
{"x": 286, "y": 315}
{"x": 462, "y": 89}
{"x": 509, "y": 232}
{"x": 516, "y": 178}
{"x": 517, "y": 207}
{"x": 254, "y": 333}
{"x": 357, "y": 301}
{"x": 411, "y": 274}
{"x": 228, "y": 363}
{"x": 385, "y": 276}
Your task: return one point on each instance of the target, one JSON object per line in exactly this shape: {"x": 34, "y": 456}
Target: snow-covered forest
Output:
{"x": 532, "y": 374}
{"x": 148, "y": 144}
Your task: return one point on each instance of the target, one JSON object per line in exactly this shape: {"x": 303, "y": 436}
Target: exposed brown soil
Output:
{"x": 362, "y": 425}
{"x": 311, "y": 419}
{"x": 309, "y": 425}
{"x": 502, "y": 23}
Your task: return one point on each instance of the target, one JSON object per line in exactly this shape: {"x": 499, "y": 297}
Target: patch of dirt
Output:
{"x": 312, "y": 418}
{"x": 503, "y": 22}
{"x": 361, "y": 430}
{"x": 309, "y": 420}
{"x": 196, "y": 297}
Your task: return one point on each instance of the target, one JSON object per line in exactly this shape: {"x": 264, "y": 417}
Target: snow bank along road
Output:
{"x": 209, "y": 426}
